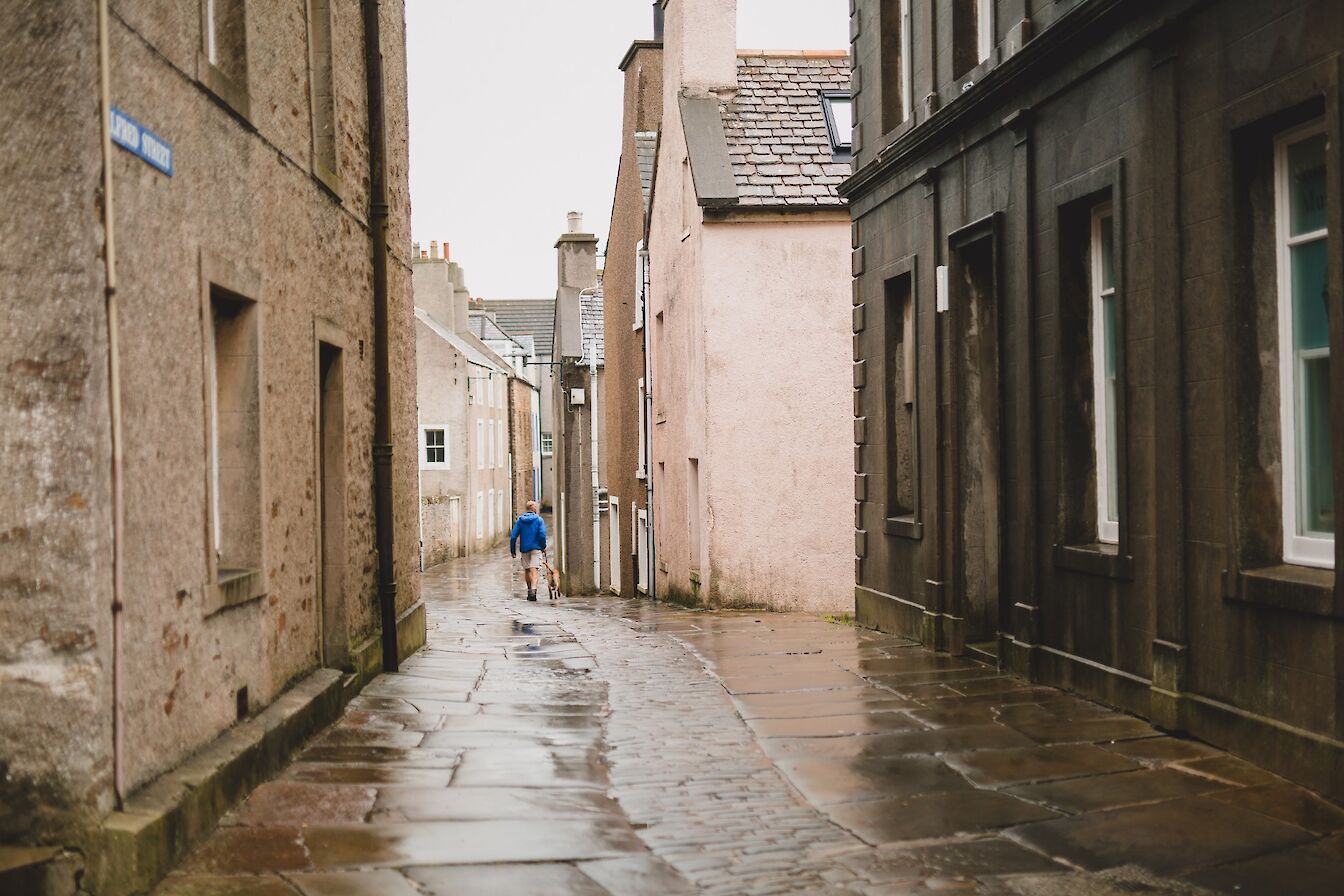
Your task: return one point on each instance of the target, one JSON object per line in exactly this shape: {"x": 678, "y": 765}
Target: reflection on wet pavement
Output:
{"x": 600, "y": 746}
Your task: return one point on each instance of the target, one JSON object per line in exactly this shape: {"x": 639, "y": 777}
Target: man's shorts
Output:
{"x": 531, "y": 559}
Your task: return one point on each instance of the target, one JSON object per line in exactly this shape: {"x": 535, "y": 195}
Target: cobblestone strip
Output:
{"x": 688, "y": 772}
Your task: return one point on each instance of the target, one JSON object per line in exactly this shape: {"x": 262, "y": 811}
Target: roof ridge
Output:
{"x": 806, "y": 54}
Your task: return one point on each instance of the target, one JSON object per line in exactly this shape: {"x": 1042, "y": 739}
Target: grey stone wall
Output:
{"x": 1164, "y": 110}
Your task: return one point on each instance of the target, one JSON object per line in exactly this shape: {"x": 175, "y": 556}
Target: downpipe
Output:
{"x": 114, "y": 412}
{"x": 592, "y": 432}
{"x": 382, "y": 389}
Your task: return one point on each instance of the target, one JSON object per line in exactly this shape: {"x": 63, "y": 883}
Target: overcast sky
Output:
{"x": 516, "y": 117}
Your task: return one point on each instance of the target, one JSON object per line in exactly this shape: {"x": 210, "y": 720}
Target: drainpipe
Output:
{"x": 114, "y": 406}
{"x": 592, "y": 431}
{"x": 650, "y": 541}
{"x": 382, "y": 388}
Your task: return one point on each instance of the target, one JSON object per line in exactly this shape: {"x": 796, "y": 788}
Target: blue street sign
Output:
{"x": 131, "y": 135}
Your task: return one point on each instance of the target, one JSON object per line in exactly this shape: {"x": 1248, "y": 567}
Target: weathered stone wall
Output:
{"x": 55, "y": 519}
{"x": 521, "y": 447}
{"x": 244, "y": 209}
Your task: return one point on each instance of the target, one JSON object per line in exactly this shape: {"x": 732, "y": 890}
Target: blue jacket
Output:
{"x": 530, "y": 530}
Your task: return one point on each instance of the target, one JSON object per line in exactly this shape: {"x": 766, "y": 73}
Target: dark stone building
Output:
{"x": 1097, "y": 422}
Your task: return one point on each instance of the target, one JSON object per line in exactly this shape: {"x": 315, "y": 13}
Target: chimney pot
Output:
{"x": 658, "y": 20}
{"x": 433, "y": 248}
{"x": 575, "y": 222}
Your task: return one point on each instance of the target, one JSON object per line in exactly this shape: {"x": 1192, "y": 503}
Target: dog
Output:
{"x": 552, "y": 578}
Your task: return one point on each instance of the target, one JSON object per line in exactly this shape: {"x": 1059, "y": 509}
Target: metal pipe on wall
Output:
{"x": 382, "y": 387}
{"x": 114, "y": 410}
{"x": 592, "y": 432}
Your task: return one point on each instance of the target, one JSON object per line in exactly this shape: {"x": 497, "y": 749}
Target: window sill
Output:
{"x": 233, "y": 588}
{"x": 1299, "y": 589}
{"x": 1103, "y": 560}
{"x": 904, "y": 527}
{"x": 329, "y": 180}
{"x": 231, "y": 93}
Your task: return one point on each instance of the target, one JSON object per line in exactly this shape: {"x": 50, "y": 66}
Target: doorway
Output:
{"x": 331, "y": 492}
{"x": 614, "y": 526}
{"x": 977, "y": 443}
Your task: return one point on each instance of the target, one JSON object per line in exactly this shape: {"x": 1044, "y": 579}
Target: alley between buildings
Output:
{"x": 598, "y": 745}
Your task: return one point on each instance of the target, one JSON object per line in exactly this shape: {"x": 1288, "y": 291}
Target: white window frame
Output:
{"x": 480, "y": 444}
{"x": 1108, "y": 517}
{"x": 984, "y": 28}
{"x": 490, "y": 511}
{"x": 425, "y": 464}
{"x": 907, "y": 64}
{"x": 548, "y": 438}
{"x": 1298, "y": 549}
{"x": 490, "y": 442}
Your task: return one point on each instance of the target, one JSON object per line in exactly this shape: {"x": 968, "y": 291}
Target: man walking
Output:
{"x": 529, "y": 535}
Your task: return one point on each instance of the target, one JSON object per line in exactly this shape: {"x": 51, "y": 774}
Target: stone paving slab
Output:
{"x": 598, "y": 746}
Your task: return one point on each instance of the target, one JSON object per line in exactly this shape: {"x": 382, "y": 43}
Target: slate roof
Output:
{"x": 646, "y": 149}
{"x": 776, "y": 129}
{"x": 590, "y": 320}
{"x": 526, "y": 317}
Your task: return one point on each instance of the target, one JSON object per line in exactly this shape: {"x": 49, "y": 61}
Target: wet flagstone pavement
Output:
{"x": 600, "y": 746}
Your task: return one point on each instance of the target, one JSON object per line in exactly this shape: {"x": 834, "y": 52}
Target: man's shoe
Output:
{"x": 532, "y": 596}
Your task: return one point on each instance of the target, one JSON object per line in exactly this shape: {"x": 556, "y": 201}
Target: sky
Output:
{"x": 515, "y": 117}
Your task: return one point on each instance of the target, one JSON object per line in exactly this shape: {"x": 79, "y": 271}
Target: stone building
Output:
{"x": 463, "y": 396}
{"x": 626, "y": 426}
{"x": 524, "y": 429}
{"x": 533, "y": 320}
{"x": 577, "y": 416}
{"x": 1097, "y": 420}
{"x": 749, "y": 259}
{"x": 194, "y": 359}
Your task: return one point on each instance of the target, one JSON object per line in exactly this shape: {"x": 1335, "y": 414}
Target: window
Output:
{"x": 226, "y": 38}
{"x": 490, "y": 440}
{"x": 1092, "y": 534}
{"x": 1304, "y": 347}
{"x": 1103, "y": 316}
{"x": 901, "y": 387}
{"x": 503, "y": 444}
{"x": 547, "y": 444}
{"x": 503, "y": 520}
{"x": 322, "y": 94}
{"x": 896, "y": 62}
{"x": 480, "y": 515}
{"x": 434, "y": 446}
{"x": 972, "y": 34}
{"x": 984, "y": 22}
{"x": 480, "y": 444}
{"x": 839, "y": 121}
{"x": 235, "y": 432}
{"x": 490, "y": 509}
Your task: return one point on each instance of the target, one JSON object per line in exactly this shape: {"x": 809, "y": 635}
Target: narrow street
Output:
{"x": 599, "y": 746}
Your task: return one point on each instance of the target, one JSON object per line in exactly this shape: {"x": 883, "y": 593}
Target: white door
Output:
{"x": 642, "y": 547}
{"x": 615, "y": 527}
